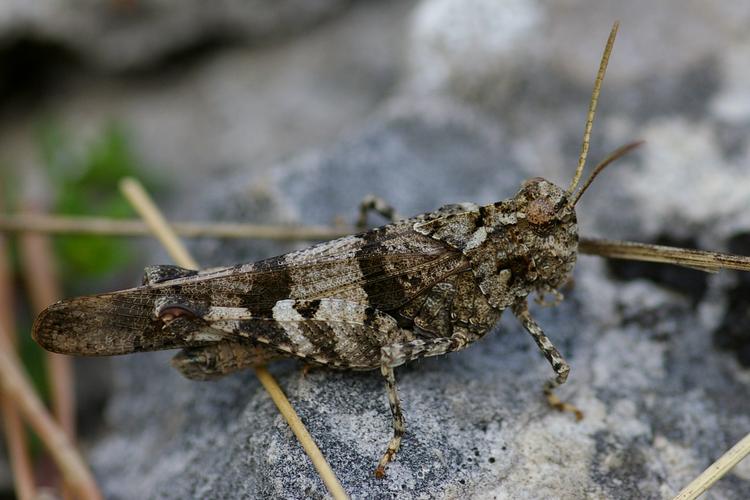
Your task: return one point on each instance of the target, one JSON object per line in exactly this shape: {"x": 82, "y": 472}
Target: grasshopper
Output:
{"x": 417, "y": 287}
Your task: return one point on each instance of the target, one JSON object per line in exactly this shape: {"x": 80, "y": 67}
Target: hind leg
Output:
{"x": 399, "y": 426}
{"x": 216, "y": 360}
{"x": 395, "y": 355}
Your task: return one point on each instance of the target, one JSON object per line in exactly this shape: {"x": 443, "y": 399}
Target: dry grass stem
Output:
{"x": 57, "y": 224}
{"x": 7, "y": 299}
{"x": 15, "y": 385}
{"x": 15, "y": 433}
{"x": 18, "y": 451}
{"x": 694, "y": 259}
{"x": 37, "y": 260}
{"x": 39, "y": 270}
{"x": 61, "y": 224}
{"x": 304, "y": 437}
{"x": 716, "y": 471}
{"x": 146, "y": 208}
{"x": 157, "y": 224}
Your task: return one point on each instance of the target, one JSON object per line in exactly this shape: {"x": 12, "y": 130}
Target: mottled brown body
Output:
{"x": 443, "y": 274}
{"x": 418, "y": 287}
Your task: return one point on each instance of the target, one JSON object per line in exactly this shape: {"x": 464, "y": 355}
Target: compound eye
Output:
{"x": 540, "y": 211}
{"x": 170, "y": 313}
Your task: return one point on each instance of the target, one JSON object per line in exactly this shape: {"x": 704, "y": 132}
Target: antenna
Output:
{"x": 614, "y": 155}
{"x": 592, "y": 107}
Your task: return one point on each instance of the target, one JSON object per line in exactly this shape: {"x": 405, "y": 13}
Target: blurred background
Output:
{"x": 291, "y": 111}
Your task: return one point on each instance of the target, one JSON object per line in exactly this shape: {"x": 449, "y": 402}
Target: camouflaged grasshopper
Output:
{"x": 417, "y": 287}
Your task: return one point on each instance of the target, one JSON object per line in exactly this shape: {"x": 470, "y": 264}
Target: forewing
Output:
{"x": 384, "y": 268}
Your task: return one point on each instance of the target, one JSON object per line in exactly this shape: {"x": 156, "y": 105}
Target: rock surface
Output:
{"x": 495, "y": 93}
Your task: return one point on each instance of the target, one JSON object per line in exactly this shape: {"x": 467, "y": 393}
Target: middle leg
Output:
{"x": 375, "y": 204}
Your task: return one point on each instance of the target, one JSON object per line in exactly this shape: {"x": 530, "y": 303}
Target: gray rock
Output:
{"x": 661, "y": 401}
{"x": 133, "y": 34}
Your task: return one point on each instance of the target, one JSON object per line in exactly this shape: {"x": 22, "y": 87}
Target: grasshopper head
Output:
{"x": 544, "y": 204}
{"x": 546, "y": 233}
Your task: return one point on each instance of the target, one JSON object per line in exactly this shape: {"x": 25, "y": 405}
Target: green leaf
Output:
{"x": 85, "y": 178}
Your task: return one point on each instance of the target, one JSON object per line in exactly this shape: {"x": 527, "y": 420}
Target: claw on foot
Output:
{"x": 387, "y": 458}
{"x": 380, "y": 472}
{"x": 559, "y": 405}
{"x": 541, "y": 298}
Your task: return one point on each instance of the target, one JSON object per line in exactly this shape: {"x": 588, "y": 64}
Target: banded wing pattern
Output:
{"x": 384, "y": 269}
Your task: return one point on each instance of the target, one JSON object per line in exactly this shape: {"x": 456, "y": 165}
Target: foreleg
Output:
{"x": 559, "y": 365}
